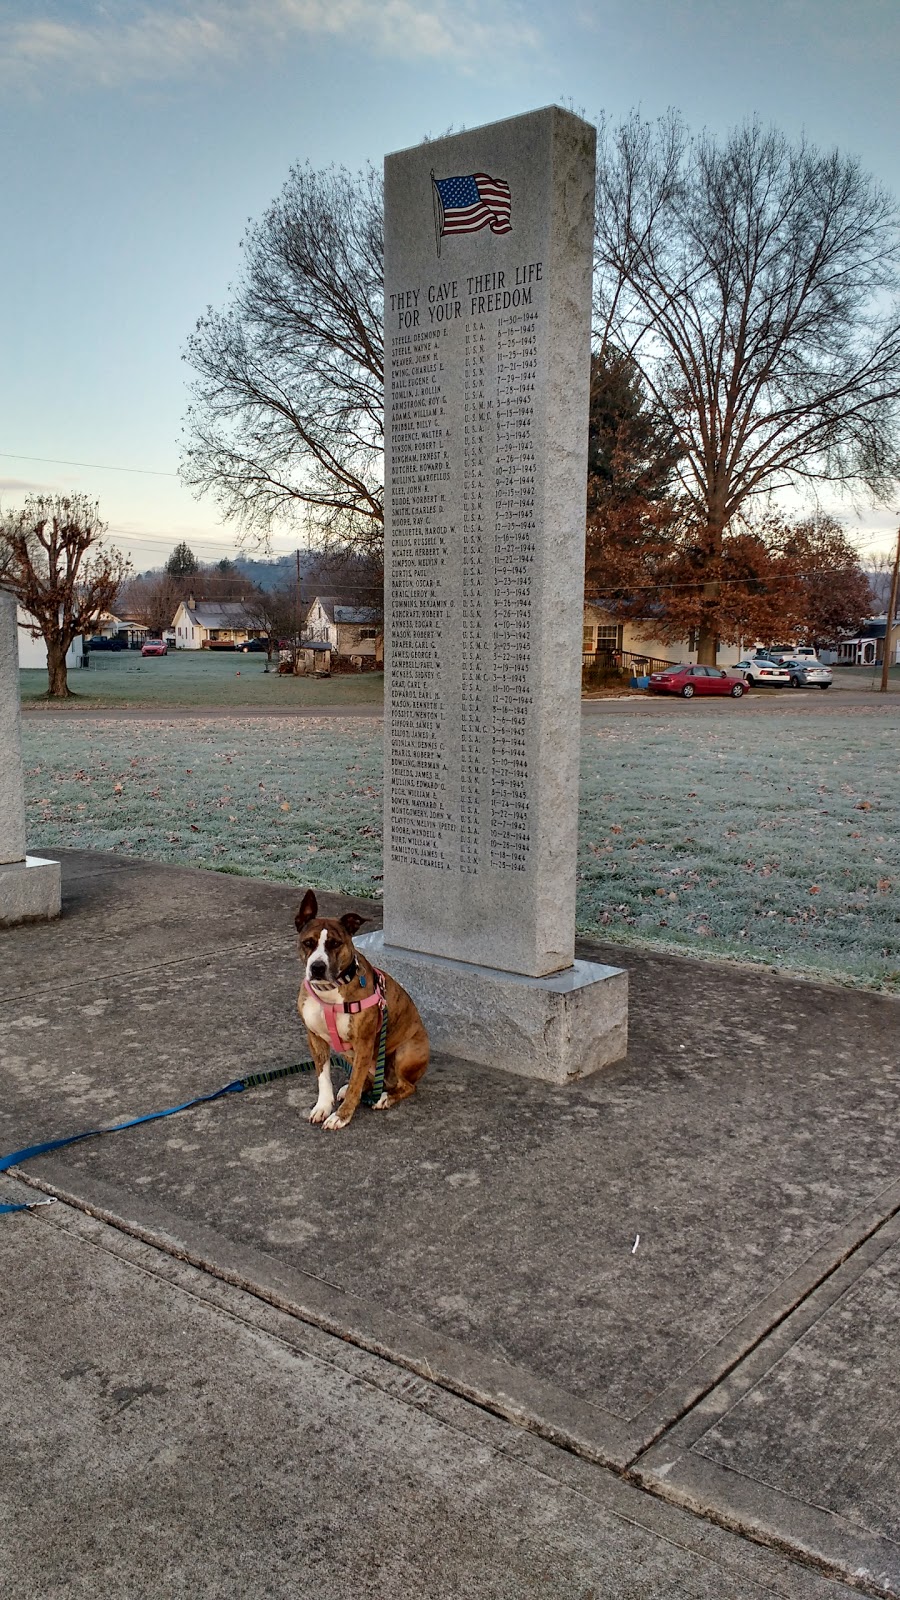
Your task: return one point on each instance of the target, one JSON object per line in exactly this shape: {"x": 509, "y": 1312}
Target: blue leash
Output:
{"x": 250, "y": 1082}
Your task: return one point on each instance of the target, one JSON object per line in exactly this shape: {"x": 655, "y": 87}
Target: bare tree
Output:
{"x": 55, "y": 563}
{"x": 286, "y": 414}
{"x": 880, "y": 575}
{"x": 152, "y": 599}
{"x": 755, "y": 284}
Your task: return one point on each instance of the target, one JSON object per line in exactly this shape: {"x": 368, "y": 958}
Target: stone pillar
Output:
{"x": 29, "y": 886}
{"x": 488, "y": 253}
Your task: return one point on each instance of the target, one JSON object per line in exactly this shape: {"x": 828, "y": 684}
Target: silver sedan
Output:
{"x": 806, "y": 674}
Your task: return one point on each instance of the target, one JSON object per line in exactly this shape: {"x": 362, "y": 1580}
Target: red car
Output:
{"x": 154, "y": 647}
{"x": 688, "y": 681}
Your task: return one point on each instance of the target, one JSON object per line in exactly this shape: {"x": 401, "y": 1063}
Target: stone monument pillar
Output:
{"x": 29, "y": 886}
{"x": 488, "y": 255}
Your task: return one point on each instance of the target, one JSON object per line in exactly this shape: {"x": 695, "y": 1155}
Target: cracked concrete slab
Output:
{"x": 746, "y": 1138}
{"x": 168, "y": 1435}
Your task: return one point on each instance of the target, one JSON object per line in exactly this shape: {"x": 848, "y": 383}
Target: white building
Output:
{"x": 32, "y": 649}
{"x": 211, "y": 624}
{"x": 350, "y": 630}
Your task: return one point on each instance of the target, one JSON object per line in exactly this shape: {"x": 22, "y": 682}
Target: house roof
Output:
{"x": 221, "y": 614}
{"x": 875, "y": 628}
{"x": 336, "y": 611}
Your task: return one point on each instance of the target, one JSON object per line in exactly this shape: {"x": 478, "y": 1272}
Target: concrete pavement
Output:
{"x": 474, "y": 1251}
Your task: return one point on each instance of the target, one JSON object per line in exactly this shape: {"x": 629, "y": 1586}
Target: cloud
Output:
{"x": 140, "y": 43}
{"x": 21, "y": 486}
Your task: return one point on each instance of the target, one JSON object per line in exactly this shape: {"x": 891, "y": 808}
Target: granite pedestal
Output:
{"x": 30, "y": 888}
{"x": 558, "y": 1028}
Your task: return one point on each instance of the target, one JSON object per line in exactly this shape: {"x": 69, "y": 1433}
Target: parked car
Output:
{"x": 762, "y": 669}
{"x": 788, "y": 652}
{"x": 154, "y": 647}
{"x": 689, "y": 680}
{"x": 255, "y": 644}
{"x": 803, "y": 674}
{"x": 99, "y": 641}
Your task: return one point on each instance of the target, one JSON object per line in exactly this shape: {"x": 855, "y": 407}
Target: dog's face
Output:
{"x": 326, "y": 945}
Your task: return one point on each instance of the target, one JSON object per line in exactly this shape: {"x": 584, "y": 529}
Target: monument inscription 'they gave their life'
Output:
{"x": 488, "y": 239}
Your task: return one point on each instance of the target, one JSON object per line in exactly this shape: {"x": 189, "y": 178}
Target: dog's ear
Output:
{"x": 351, "y": 922}
{"x": 309, "y": 905}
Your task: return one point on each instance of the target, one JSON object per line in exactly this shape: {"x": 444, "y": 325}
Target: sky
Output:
{"x": 138, "y": 141}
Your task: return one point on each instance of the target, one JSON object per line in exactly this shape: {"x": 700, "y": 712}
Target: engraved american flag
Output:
{"x": 466, "y": 204}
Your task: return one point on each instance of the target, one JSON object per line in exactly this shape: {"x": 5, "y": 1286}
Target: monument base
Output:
{"x": 558, "y": 1028}
{"x": 30, "y": 891}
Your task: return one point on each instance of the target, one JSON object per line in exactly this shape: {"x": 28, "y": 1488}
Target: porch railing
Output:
{"x": 609, "y": 660}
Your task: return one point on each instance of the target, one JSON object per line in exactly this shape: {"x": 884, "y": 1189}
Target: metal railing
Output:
{"x": 609, "y": 660}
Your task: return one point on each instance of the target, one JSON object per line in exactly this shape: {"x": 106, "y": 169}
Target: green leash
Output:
{"x": 370, "y": 1096}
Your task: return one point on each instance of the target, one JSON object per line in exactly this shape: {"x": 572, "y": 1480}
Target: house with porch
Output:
{"x": 612, "y": 641}
{"x": 866, "y": 648}
{"x": 215, "y": 624}
{"x": 350, "y": 630}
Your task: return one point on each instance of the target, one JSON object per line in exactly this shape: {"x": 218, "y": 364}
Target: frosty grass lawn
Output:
{"x": 196, "y": 678}
{"x": 774, "y": 839}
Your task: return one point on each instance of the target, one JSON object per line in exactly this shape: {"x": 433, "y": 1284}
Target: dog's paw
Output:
{"x": 320, "y": 1111}
{"x": 342, "y": 1092}
{"x": 382, "y": 1103}
{"x": 334, "y": 1122}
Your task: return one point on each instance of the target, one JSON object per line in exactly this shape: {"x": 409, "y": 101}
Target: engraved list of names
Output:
{"x": 478, "y": 646}
{"x": 463, "y": 552}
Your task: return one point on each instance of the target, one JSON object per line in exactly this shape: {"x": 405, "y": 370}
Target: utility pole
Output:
{"x": 298, "y": 608}
{"x": 889, "y": 625}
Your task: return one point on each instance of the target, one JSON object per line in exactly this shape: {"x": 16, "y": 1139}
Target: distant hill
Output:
{"x": 270, "y": 572}
{"x": 346, "y": 575}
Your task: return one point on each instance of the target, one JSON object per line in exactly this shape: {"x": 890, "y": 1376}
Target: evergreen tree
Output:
{"x": 182, "y": 563}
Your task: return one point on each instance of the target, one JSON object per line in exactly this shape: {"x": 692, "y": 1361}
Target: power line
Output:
{"x": 95, "y": 466}
{"x": 702, "y": 583}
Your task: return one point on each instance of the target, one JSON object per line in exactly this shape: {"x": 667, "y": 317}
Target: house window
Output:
{"x": 587, "y": 638}
{"x": 608, "y": 634}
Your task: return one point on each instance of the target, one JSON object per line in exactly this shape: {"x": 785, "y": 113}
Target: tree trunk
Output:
{"x": 707, "y": 647}
{"x": 708, "y": 640}
{"x": 58, "y": 680}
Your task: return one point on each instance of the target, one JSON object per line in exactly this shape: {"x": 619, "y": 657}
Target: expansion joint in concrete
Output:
{"x": 784, "y": 1316}
{"x": 628, "y": 1470}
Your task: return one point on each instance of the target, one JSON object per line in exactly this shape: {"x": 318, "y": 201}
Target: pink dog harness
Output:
{"x": 349, "y": 1008}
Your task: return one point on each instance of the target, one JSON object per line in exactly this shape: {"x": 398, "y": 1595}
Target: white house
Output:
{"x": 605, "y": 635}
{"x": 344, "y": 627}
{"x": 214, "y": 624}
{"x": 867, "y": 647}
{"x": 32, "y": 649}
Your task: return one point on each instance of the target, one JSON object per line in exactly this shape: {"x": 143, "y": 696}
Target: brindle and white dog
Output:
{"x": 337, "y": 1002}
